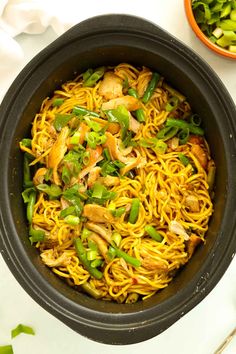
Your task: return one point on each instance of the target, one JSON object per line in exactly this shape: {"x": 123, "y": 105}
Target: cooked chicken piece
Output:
{"x": 143, "y": 81}
{"x": 57, "y": 153}
{"x": 134, "y": 125}
{"x": 134, "y": 162}
{"x": 95, "y": 156}
{"x": 97, "y": 213}
{"x": 93, "y": 175}
{"x": 200, "y": 154}
{"x": 113, "y": 128}
{"x": 192, "y": 243}
{"x": 178, "y": 229}
{"x": 53, "y": 132}
{"x": 39, "y": 176}
{"x": 195, "y": 139}
{"x": 100, "y": 242}
{"x": 111, "y": 86}
{"x": 125, "y": 151}
{"x": 64, "y": 203}
{"x": 192, "y": 202}
{"x": 99, "y": 229}
{"x": 154, "y": 264}
{"x": 173, "y": 143}
{"x": 112, "y": 144}
{"x": 211, "y": 172}
{"x": 109, "y": 181}
{"x": 130, "y": 103}
{"x": 49, "y": 259}
{"x": 83, "y": 130}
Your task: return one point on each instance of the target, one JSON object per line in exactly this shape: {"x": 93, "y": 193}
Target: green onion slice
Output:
{"x": 22, "y": 329}
{"x": 6, "y": 349}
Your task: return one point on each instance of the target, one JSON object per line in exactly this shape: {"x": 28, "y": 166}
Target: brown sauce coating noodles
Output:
{"x": 94, "y": 174}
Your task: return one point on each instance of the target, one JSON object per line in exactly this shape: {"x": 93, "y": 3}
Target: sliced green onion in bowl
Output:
{"x": 217, "y": 21}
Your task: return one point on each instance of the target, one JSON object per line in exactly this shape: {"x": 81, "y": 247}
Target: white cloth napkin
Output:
{"x": 24, "y": 16}
{"x": 35, "y": 16}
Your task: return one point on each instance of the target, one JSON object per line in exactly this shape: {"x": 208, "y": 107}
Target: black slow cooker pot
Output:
{"x": 106, "y": 40}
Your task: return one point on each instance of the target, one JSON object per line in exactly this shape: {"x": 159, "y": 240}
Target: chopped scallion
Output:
{"x": 6, "y": 349}
{"x": 22, "y": 329}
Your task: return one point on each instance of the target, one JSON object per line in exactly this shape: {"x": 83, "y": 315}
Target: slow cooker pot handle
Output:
{"x": 114, "y": 23}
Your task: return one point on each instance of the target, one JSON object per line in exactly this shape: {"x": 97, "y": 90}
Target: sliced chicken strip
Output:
{"x": 100, "y": 229}
{"x": 111, "y": 86}
{"x": 97, "y": 213}
{"x": 130, "y": 103}
{"x": 57, "y": 153}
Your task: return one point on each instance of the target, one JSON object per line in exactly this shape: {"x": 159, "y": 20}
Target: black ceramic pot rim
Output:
{"x": 120, "y": 324}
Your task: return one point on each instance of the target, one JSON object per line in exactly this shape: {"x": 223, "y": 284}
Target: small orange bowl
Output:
{"x": 191, "y": 19}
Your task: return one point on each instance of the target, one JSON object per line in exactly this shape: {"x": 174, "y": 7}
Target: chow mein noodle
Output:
{"x": 118, "y": 182}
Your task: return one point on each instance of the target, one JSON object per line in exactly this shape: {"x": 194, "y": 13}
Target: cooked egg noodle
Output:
{"x": 162, "y": 184}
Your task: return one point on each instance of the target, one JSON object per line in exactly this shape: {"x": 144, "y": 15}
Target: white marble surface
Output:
{"x": 203, "y": 328}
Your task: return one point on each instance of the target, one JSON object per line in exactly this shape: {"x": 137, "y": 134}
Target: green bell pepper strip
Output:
{"x": 81, "y": 252}
{"x": 151, "y": 87}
